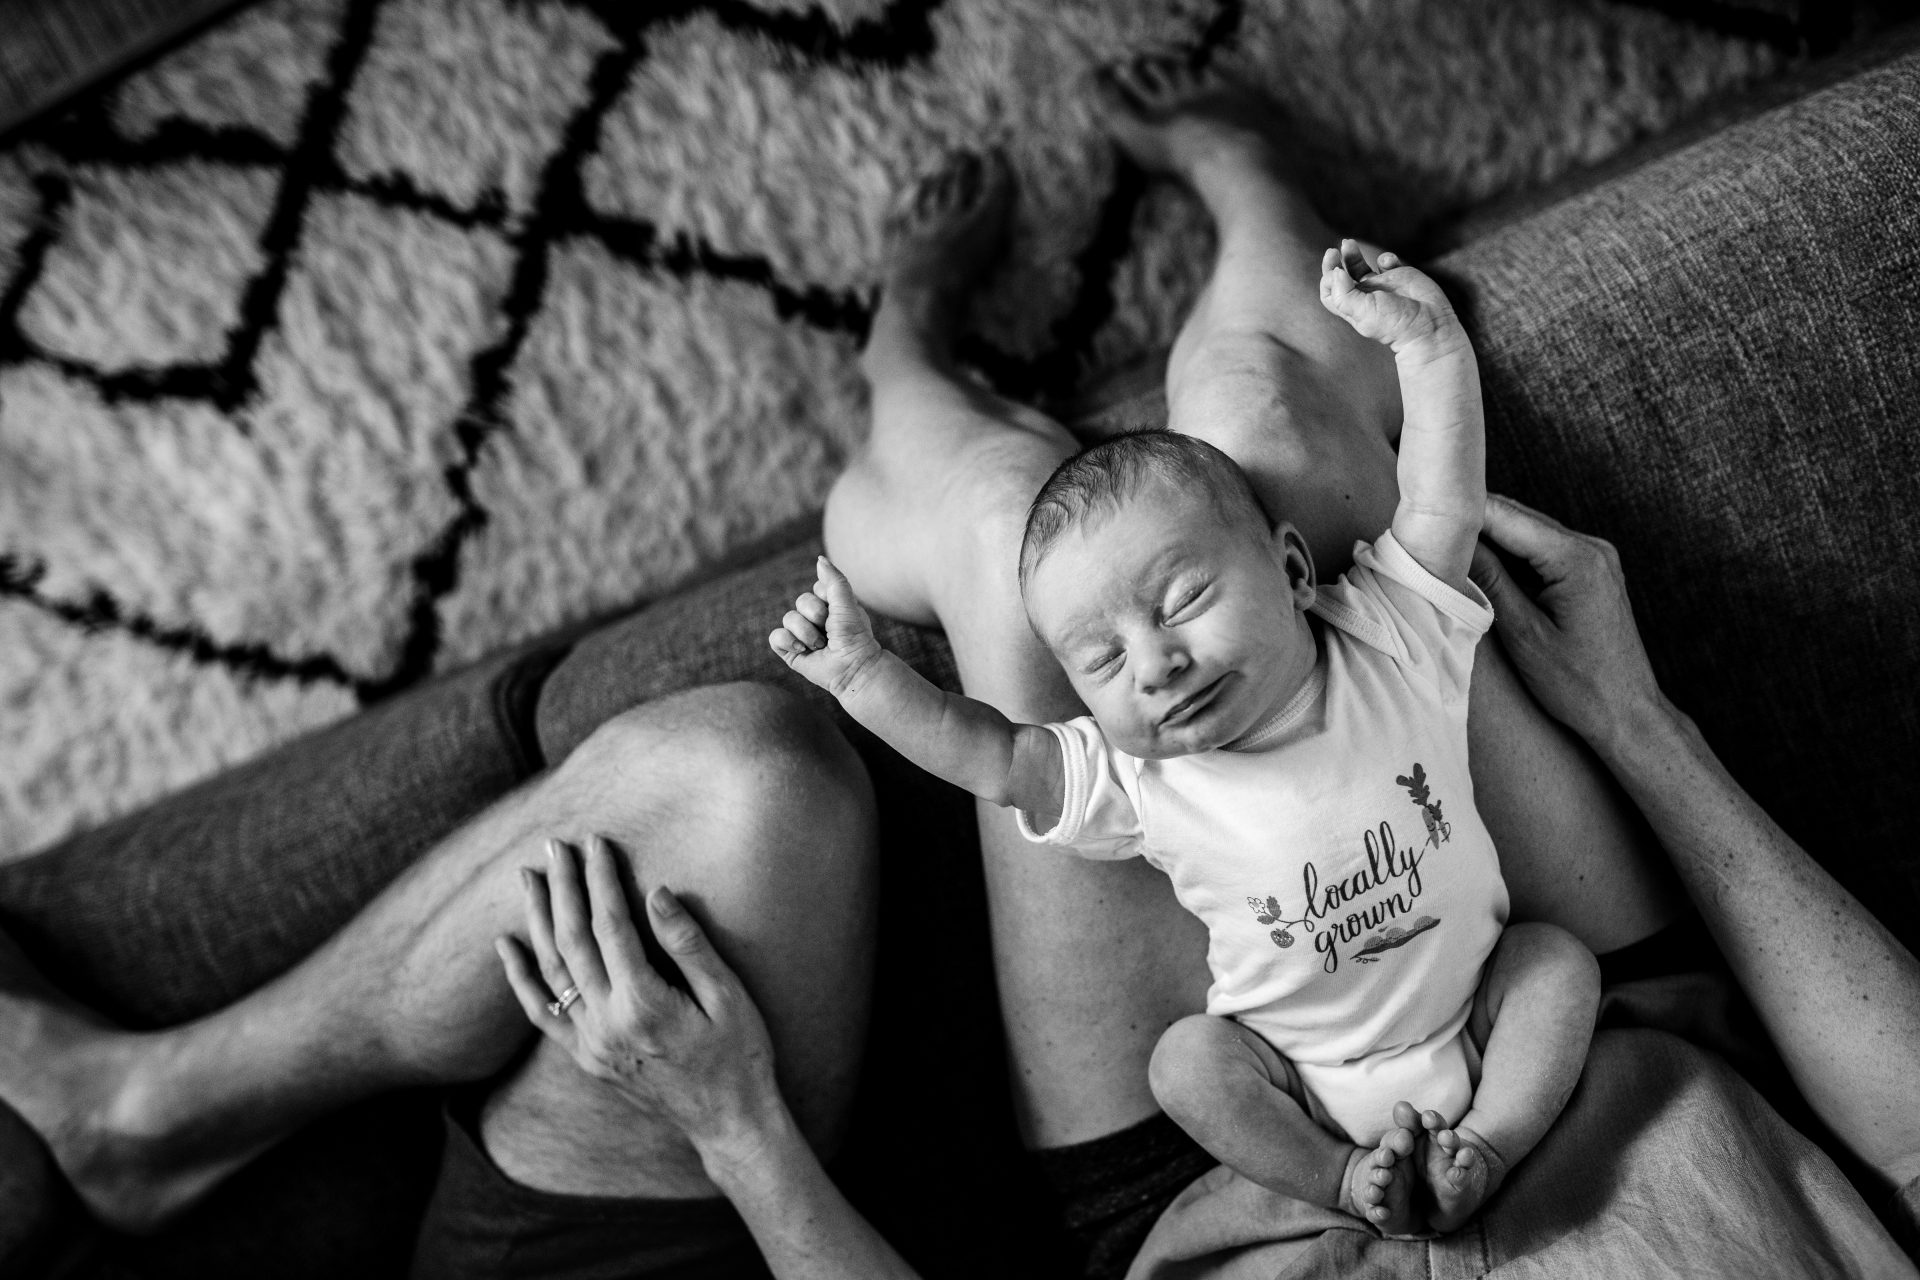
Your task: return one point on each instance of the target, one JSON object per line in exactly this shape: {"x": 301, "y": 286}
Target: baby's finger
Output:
{"x": 834, "y": 586}
{"x": 812, "y": 608}
{"x": 1388, "y": 261}
{"x": 1336, "y": 283}
{"x": 1353, "y": 259}
{"x": 1329, "y": 261}
{"x": 803, "y": 630}
{"x": 784, "y": 646}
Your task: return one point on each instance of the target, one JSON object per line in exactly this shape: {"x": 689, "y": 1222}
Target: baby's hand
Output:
{"x": 1395, "y": 305}
{"x": 826, "y": 636}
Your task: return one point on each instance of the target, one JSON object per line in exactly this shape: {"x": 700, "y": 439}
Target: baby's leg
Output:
{"x": 1310, "y": 409}
{"x": 1532, "y": 1018}
{"x": 1242, "y": 1100}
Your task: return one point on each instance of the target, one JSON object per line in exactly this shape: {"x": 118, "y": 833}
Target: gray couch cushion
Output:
{"x": 1713, "y": 363}
{"x": 710, "y": 634}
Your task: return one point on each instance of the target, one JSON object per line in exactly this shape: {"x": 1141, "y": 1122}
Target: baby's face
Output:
{"x": 1181, "y": 631}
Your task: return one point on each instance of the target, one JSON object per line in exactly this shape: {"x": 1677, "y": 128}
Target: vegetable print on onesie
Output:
{"x": 1350, "y": 891}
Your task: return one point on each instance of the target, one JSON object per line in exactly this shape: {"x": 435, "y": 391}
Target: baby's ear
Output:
{"x": 1298, "y": 561}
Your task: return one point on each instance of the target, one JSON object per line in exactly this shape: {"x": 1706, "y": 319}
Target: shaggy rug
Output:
{"x": 359, "y": 338}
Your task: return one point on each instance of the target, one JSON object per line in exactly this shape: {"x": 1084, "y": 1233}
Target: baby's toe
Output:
{"x": 1403, "y": 1113}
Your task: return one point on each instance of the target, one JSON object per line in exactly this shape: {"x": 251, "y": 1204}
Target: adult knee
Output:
{"x": 738, "y": 758}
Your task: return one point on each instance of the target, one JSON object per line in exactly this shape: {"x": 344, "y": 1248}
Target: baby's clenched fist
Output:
{"x": 826, "y": 636}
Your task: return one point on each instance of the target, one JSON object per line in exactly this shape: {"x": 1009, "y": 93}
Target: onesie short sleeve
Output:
{"x": 1391, "y": 601}
{"x": 1098, "y": 819}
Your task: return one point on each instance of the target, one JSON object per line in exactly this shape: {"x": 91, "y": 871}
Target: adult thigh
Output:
{"x": 755, "y": 811}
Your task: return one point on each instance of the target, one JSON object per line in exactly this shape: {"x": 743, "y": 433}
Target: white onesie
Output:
{"x": 1350, "y": 891}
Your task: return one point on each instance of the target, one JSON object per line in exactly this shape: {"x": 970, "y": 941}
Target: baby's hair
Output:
{"x": 1101, "y": 480}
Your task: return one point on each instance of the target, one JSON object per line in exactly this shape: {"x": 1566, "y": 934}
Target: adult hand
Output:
{"x": 1576, "y": 645}
{"x": 703, "y": 1061}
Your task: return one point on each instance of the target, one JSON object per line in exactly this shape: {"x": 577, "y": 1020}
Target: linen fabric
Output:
{"x": 1665, "y": 1163}
{"x": 1350, "y": 891}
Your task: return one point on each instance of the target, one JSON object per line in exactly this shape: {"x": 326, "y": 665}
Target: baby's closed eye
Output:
{"x": 1187, "y": 603}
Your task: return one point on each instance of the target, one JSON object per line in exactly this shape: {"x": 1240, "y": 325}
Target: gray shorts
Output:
{"x": 481, "y": 1223}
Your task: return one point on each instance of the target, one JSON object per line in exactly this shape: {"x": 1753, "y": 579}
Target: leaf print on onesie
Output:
{"x": 1438, "y": 829}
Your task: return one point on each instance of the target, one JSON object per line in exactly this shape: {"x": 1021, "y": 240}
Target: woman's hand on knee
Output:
{"x": 1575, "y": 644}
{"x": 700, "y": 1057}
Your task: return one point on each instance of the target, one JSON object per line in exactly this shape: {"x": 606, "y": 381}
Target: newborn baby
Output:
{"x": 1294, "y": 757}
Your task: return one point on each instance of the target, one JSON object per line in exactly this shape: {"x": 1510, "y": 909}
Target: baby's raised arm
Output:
{"x": 828, "y": 638}
{"x": 1443, "y": 452}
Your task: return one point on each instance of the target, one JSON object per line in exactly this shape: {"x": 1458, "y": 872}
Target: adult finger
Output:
{"x": 1539, "y": 539}
{"x": 540, "y": 932}
{"x": 572, "y": 924}
{"x": 709, "y": 977}
{"x": 627, "y": 967}
{"x": 1511, "y": 607}
{"x": 531, "y": 991}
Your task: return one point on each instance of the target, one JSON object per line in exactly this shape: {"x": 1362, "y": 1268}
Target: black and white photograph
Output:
{"x": 1048, "y": 639}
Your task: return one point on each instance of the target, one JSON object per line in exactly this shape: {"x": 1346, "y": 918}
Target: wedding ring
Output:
{"x": 565, "y": 1002}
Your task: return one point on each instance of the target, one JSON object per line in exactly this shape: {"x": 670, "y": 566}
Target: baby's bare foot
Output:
{"x": 943, "y": 235}
{"x": 1380, "y": 1182}
{"x": 1461, "y": 1171}
{"x": 77, "y": 1081}
{"x": 1171, "y": 118}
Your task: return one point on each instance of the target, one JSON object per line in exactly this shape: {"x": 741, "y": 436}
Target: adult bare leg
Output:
{"x": 747, "y": 804}
{"x": 1310, "y": 410}
{"x": 1093, "y": 959}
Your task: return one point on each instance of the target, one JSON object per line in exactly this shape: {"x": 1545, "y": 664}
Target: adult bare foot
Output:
{"x": 1380, "y": 1182}
{"x": 81, "y": 1084}
{"x": 944, "y": 234}
{"x": 1173, "y": 119}
{"x": 1461, "y": 1171}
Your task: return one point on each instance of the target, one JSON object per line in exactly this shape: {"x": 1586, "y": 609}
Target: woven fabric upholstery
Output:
{"x": 711, "y": 634}
{"x": 186, "y": 905}
{"x": 1712, "y": 363}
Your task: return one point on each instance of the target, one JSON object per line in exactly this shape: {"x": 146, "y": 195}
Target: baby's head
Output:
{"x": 1178, "y": 612}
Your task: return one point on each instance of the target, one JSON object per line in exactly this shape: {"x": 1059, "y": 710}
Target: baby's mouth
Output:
{"x": 1193, "y": 706}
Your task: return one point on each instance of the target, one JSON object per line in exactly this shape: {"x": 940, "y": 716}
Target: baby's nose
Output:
{"x": 1158, "y": 666}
